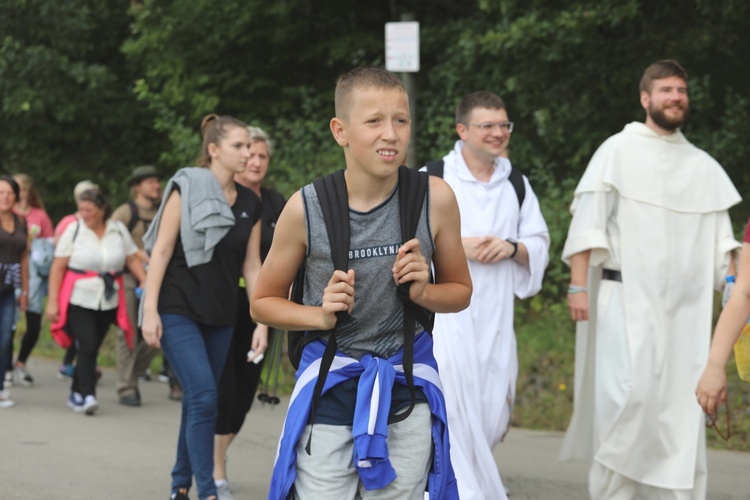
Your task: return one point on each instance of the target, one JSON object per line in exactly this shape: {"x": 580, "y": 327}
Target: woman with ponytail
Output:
{"x": 205, "y": 235}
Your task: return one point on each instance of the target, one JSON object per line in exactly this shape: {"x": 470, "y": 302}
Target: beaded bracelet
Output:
{"x": 577, "y": 289}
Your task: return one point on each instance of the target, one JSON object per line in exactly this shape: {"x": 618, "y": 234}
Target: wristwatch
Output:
{"x": 515, "y": 247}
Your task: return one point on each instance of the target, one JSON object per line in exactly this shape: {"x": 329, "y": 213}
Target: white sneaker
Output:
{"x": 22, "y": 376}
{"x": 9, "y": 378}
{"x": 90, "y": 405}
{"x": 222, "y": 491}
{"x": 5, "y": 401}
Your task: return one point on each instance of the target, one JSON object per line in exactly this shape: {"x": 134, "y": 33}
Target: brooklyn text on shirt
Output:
{"x": 376, "y": 251}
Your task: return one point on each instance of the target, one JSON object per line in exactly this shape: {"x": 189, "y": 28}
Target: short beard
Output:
{"x": 660, "y": 118}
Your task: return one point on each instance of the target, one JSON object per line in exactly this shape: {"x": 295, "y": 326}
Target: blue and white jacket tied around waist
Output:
{"x": 370, "y": 429}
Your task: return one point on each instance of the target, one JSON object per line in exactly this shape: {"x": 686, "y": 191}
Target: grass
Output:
{"x": 544, "y": 397}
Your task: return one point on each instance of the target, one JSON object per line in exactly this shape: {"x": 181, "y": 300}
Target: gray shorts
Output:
{"x": 328, "y": 472}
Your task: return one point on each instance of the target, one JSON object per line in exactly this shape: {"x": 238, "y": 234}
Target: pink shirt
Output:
{"x": 746, "y": 239}
{"x": 38, "y": 223}
{"x": 64, "y": 222}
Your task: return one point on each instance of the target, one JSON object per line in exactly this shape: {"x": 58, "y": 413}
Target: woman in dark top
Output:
{"x": 240, "y": 378}
{"x": 14, "y": 273}
{"x": 204, "y": 237}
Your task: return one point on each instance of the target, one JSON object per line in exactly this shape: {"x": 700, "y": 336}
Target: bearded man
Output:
{"x": 649, "y": 241}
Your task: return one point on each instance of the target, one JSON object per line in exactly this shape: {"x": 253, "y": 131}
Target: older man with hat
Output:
{"x": 136, "y": 214}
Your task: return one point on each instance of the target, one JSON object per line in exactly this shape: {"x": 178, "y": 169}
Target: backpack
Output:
{"x": 135, "y": 217}
{"x": 332, "y": 194}
{"x": 437, "y": 167}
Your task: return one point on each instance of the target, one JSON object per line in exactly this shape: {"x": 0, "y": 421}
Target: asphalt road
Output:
{"x": 49, "y": 452}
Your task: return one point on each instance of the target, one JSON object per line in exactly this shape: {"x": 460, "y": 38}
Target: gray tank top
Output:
{"x": 378, "y": 316}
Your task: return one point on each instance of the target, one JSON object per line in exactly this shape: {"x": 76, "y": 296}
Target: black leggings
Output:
{"x": 70, "y": 354}
{"x": 30, "y": 338}
{"x": 89, "y": 328}
{"x": 239, "y": 380}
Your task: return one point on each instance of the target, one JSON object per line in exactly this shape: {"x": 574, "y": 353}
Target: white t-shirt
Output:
{"x": 90, "y": 253}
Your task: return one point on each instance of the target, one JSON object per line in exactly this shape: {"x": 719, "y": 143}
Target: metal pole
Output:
{"x": 410, "y": 82}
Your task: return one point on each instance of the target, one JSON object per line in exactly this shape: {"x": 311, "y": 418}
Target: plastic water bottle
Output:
{"x": 742, "y": 353}
{"x": 728, "y": 287}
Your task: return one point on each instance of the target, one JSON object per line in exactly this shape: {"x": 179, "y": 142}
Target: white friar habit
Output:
{"x": 655, "y": 208}
{"x": 476, "y": 348}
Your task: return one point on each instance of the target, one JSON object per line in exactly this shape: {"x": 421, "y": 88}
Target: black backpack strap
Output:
{"x": 334, "y": 203}
{"x": 412, "y": 189}
{"x": 436, "y": 168}
{"x": 78, "y": 226}
{"x": 516, "y": 179}
{"x": 133, "y": 215}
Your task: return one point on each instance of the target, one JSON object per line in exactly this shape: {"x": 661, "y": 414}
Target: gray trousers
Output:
{"x": 329, "y": 472}
{"x": 132, "y": 364}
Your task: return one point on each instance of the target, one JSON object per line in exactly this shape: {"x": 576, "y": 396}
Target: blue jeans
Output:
{"x": 196, "y": 352}
{"x": 7, "y": 320}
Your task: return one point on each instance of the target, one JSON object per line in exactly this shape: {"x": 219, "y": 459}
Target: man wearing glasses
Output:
{"x": 506, "y": 242}
{"x": 649, "y": 241}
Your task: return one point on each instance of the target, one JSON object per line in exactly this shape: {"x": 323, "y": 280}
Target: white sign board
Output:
{"x": 402, "y": 47}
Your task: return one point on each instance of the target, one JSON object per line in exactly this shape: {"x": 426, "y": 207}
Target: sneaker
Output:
{"x": 22, "y": 376}
{"x": 5, "y": 401}
{"x": 222, "y": 491}
{"x": 180, "y": 494}
{"x": 75, "y": 402}
{"x": 146, "y": 377}
{"x": 9, "y": 378}
{"x": 164, "y": 378}
{"x": 90, "y": 405}
{"x": 65, "y": 372}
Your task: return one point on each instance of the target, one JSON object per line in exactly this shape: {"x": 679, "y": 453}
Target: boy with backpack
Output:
{"x": 367, "y": 416}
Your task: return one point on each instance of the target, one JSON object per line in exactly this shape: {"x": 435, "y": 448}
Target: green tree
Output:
{"x": 68, "y": 109}
{"x": 273, "y": 65}
{"x": 569, "y": 72}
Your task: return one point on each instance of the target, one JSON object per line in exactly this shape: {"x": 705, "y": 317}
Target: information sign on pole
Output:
{"x": 402, "y": 47}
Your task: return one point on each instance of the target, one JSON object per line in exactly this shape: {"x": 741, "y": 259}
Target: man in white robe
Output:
{"x": 649, "y": 242}
{"x": 507, "y": 248}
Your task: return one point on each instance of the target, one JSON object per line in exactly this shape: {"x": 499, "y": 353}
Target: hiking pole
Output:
{"x": 276, "y": 366}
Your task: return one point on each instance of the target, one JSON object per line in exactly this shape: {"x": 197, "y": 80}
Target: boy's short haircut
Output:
{"x": 661, "y": 69}
{"x": 365, "y": 77}
{"x": 478, "y": 99}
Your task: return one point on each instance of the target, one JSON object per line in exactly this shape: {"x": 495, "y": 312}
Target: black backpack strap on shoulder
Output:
{"x": 412, "y": 189}
{"x": 334, "y": 203}
{"x": 516, "y": 179}
{"x": 78, "y": 226}
{"x": 134, "y": 216}
{"x": 436, "y": 168}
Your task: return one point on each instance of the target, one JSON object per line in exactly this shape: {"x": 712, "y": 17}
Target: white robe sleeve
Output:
{"x": 589, "y": 228}
{"x": 533, "y": 233}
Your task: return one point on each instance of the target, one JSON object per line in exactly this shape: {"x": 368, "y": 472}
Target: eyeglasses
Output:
{"x": 489, "y": 126}
{"x": 711, "y": 422}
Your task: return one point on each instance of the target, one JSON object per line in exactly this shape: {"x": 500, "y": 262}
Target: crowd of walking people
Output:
{"x": 206, "y": 271}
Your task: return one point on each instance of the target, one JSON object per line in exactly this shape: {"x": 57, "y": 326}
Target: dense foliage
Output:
{"x": 91, "y": 88}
